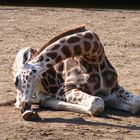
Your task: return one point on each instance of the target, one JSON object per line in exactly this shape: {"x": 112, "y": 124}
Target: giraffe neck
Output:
{"x": 80, "y": 44}
{"x": 66, "y": 33}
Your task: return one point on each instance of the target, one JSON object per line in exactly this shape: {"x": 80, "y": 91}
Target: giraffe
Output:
{"x": 71, "y": 72}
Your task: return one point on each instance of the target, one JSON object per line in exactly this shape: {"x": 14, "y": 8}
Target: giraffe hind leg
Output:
{"x": 123, "y": 100}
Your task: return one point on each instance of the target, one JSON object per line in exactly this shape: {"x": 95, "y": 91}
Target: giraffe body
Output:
{"x": 72, "y": 73}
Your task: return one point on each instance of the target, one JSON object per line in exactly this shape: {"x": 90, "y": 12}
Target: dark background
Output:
{"x": 122, "y": 4}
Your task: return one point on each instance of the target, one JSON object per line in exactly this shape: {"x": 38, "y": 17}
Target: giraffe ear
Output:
{"x": 25, "y": 57}
{"x": 28, "y": 54}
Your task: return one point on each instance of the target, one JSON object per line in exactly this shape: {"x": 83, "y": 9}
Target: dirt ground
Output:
{"x": 119, "y": 31}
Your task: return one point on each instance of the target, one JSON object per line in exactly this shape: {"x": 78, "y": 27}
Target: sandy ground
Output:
{"x": 119, "y": 31}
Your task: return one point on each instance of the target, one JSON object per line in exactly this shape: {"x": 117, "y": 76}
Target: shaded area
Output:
{"x": 112, "y": 114}
{"x": 81, "y": 121}
{"x": 117, "y": 4}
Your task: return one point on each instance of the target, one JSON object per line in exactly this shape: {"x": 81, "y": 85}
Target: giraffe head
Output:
{"x": 20, "y": 73}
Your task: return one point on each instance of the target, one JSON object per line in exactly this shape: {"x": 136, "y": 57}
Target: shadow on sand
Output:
{"x": 107, "y": 114}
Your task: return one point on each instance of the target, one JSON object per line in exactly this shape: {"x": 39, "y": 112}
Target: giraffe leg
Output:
{"x": 76, "y": 101}
{"x": 123, "y": 100}
{"x": 94, "y": 104}
{"x": 61, "y": 105}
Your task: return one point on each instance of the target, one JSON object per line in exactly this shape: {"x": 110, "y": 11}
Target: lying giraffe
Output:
{"x": 71, "y": 72}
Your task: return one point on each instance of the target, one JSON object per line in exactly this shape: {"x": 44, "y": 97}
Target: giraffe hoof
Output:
{"x": 29, "y": 115}
{"x": 97, "y": 106}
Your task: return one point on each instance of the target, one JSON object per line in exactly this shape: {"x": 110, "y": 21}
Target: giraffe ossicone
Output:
{"x": 71, "y": 72}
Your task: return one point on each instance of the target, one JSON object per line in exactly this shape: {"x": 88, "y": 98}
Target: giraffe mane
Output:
{"x": 57, "y": 37}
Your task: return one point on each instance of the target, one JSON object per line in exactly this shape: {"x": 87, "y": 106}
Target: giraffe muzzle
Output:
{"x": 28, "y": 114}
{"x": 25, "y": 106}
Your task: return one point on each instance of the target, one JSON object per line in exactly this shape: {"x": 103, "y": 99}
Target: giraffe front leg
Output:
{"x": 56, "y": 104}
{"x": 77, "y": 101}
{"x": 123, "y": 100}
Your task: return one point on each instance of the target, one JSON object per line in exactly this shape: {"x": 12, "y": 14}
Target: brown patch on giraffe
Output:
{"x": 62, "y": 40}
{"x": 95, "y": 47}
{"x": 88, "y": 36}
{"x": 100, "y": 58}
{"x": 77, "y": 49}
{"x": 47, "y": 59}
{"x": 85, "y": 88}
{"x": 33, "y": 50}
{"x": 40, "y": 58}
{"x": 86, "y": 57}
{"x": 51, "y": 72}
{"x": 94, "y": 78}
{"x": 44, "y": 74}
{"x": 74, "y": 99}
{"x": 69, "y": 99}
{"x": 66, "y": 51}
{"x": 51, "y": 80}
{"x": 61, "y": 93}
{"x": 109, "y": 78}
{"x": 102, "y": 66}
{"x": 85, "y": 66}
{"x": 64, "y": 34}
{"x": 79, "y": 99}
{"x": 87, "y": 46}
{"x": 45, "y": 82}
{"x": 55, "y": 47}
{"x": 53, "y": 89}
{"x": 58, "y": 59}
{"x": 49, "y": 65}
{"x": 27, "y": 77}
{"x": 73, "y": 39}
{"x": 91, "y": 58}
{"x": 52, "y": 55}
